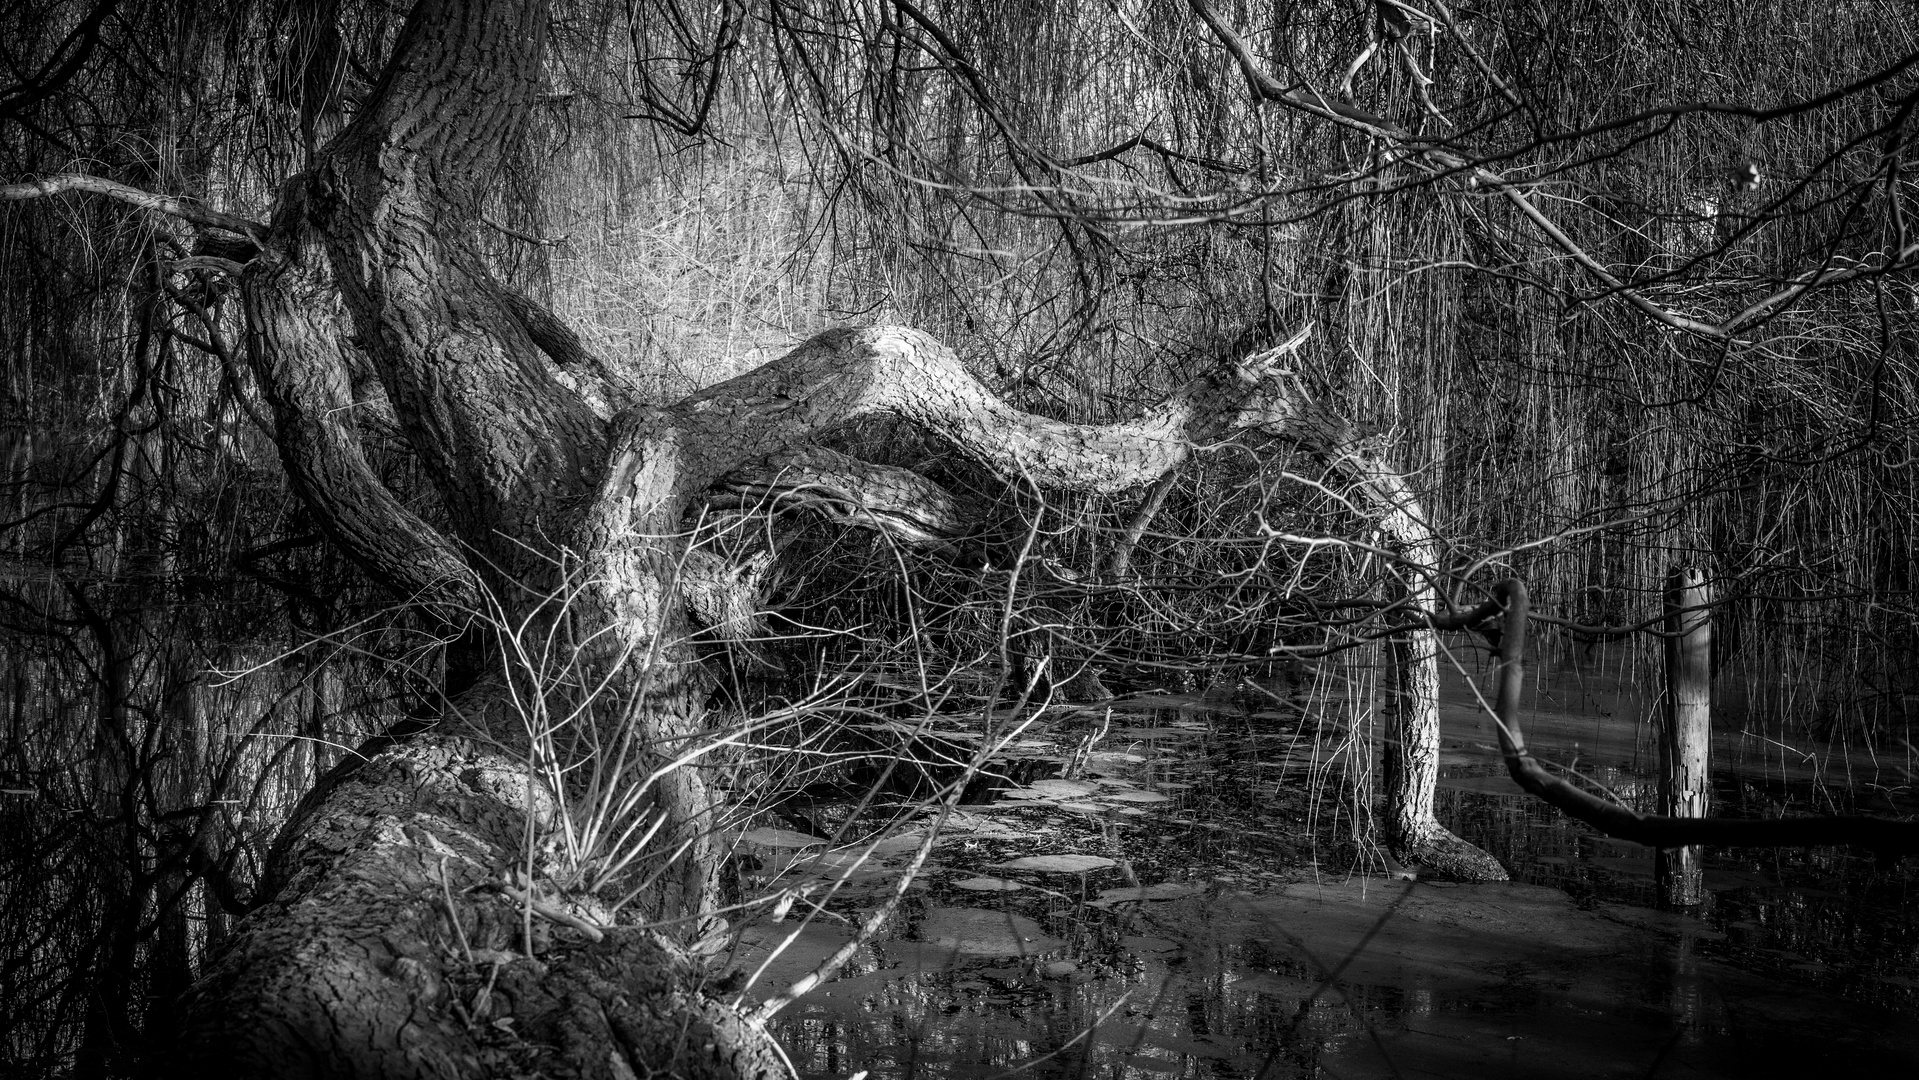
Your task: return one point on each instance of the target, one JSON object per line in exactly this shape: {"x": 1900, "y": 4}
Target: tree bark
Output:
{"x": 294, "y": 348}
{"x": 394, "y": 913}
{"x": 1413, "y": 835}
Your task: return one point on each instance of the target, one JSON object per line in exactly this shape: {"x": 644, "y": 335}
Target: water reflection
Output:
{"x": 1801, "y": 958}
{"x": 1821, "y": 917}
{"x": 1359, "y": 978}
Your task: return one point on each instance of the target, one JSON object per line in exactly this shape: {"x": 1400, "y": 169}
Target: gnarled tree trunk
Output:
{"x": 1411, "y": 833}
{"x": 394, "y": 946}
{"x": 413, "y": 925}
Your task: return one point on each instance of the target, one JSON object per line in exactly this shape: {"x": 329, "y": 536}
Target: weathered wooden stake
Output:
{"x": 1685, "y": 746}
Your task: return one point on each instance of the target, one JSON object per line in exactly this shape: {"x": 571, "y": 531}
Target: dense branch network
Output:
{"x": 749, "y": 439}
{"x": 1445, "y": 160}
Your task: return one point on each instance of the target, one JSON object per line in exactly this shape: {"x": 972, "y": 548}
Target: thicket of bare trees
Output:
{"x": 346, "y": 396}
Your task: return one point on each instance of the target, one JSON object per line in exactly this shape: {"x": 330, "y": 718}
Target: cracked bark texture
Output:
{"x": 356, "y": 968}
{"x": 294, "y": 349}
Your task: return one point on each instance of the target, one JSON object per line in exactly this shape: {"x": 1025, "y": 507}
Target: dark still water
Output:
{"x": 1183, "y": 907}
{"x": 1831, "y": 918}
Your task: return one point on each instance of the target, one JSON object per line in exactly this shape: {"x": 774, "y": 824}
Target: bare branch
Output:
{"x": 1448, "y": 161}
{"x": 174, "y": 206}
{"x": 564, "y": 346}
{"x": 1160, "y": 148}
{"x": 1269, "y": 88}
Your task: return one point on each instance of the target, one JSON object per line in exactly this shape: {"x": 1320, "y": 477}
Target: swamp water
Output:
{"x": 1251, "y": 952}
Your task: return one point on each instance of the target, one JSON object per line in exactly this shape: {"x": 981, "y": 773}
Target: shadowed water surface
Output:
{"x": 1362, "y": 978}
{"x": 1225, "y": 967}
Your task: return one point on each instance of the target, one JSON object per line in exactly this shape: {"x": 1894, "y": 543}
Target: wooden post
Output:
{"x": 1685, "y": 746}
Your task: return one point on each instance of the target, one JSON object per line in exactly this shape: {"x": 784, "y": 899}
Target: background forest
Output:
{"x": 1616, "y": 286}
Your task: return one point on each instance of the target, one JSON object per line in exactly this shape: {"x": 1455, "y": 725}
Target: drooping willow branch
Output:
{"x": 1882, "y": 835}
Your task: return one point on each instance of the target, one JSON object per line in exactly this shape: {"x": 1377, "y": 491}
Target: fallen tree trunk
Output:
{"x": 927, "y": 386}
{"x": 404, "y": 941}
{"x": 356, "y": 963}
